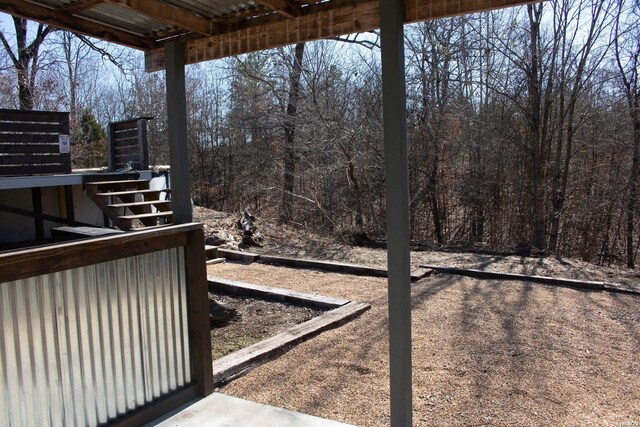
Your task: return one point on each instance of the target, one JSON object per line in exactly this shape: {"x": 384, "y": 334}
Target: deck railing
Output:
{"x": 127, "y": 142}
{"x": 111, "y": 330}
{"x": 34, "y": 142}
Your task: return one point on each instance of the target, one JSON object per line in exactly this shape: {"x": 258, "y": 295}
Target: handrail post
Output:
{"x": 198, "y": 303}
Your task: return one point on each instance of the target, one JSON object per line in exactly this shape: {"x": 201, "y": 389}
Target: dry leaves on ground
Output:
{"x": 484, "y": 353}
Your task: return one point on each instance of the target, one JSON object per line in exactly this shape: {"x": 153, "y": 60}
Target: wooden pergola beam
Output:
{"x": 286, "y": 8}
{"x": 179, "y": 17}
{"x": 66, "y": 21}
{"x": 79, "y": 6}
{"x": 317, "y": 23}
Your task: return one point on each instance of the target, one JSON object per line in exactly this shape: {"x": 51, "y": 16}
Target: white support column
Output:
{"x": 177, "y": 123}
{"x": 397, "y": 183}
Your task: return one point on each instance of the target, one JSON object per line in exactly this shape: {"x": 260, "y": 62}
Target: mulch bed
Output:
{"x": 258, "y": 319}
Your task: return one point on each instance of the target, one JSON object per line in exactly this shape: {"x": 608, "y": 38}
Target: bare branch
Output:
{"x": 369, "y": 44}
{"x": 7, "y": 47}
{"x": 103, "y": 52}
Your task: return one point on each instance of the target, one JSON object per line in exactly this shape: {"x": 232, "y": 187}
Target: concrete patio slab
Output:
{"x": 219, "y": 410}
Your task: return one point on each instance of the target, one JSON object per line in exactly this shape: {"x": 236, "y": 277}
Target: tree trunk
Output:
{"x": 286, "y": 210}
{"x": 628, "y": 76}
{"x": 356, "y": 190}
{"x": 538, "y": 118}
{"x": 633, "y": 180}
{"x": 433, "y": 194}
{"x": 25, "y": 60}
{"x": 561, "y": 175}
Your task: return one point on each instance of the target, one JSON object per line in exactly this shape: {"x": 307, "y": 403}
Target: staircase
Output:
{"x": 130, "y": 204}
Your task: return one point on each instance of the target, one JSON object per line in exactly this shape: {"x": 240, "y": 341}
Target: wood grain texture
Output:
{"x": 34, "y": 169}
{"x": 287, "y": 8}
{"x": 198, "y": 303}
{"x": 21, "y": 138}
{"x": 127, "y": 142}
{"x": 482, "y": 274}
{"x": 242, "y": 32}
{"x": 242, "y": 361}
{"x": 233, "y": 287}
{"x": 229, "y": 254}
{"x": 31, "y": 142}
{"x": 50, "y": 259}
{"x": 79, "y": 6}
{"x": 336, "y": 267}
{"x": 67, "y": 21}
{"x": 34, "y": 115}
{"x": 332, "y": 20}
{"x": 180, "y": 17}
{"x": 329, "y": 23}
{"x": 333, "y": 266}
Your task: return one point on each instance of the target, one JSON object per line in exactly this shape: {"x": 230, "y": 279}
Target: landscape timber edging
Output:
{"x": 233, "y": 287}
{"x": 238, "y": 363}
{"x": 337, "y": 267}
{"x": 229, "y": 254}
{"x": 331, "y": 266}
{"x": 571, "y": 283}
{"x": 334, "y": 266}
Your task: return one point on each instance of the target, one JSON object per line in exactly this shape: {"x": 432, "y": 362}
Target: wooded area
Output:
{"x": 524, "y": 125}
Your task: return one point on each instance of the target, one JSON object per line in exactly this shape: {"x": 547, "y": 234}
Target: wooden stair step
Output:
{"x": 121, "y": 182}
{"x": 211, "y": 251}
{"x": 148, "y": 227}
{"x": 148, "y": 215}
{"x": 135, "y": 204}
{"x": 127, "y": 192}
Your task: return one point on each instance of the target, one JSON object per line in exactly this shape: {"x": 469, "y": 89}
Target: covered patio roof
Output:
{"x": 173, "y": 33}
{"x": 214, "y": 29}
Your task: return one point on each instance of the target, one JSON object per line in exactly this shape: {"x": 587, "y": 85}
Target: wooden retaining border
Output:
{"x": 233, "y": 287}
{"x": 335, "y": 267}
{"x": 331, "y": 266}
{"x": 247, "y": 257}
{"x": 238, "y": 363}
{"x": 555, "y": 281}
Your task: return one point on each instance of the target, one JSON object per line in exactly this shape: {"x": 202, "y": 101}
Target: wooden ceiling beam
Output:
{"x": 242, "y": 15}
{"x": 286, "y": 8}
{"x": 325, "y": 20}
{"x": 79, "y": 6}
{"x": 179, "y": 17}
{"x": 66, "y": 21}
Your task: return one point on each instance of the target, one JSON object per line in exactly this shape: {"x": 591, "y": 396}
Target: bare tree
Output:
{"x": 577, "y": 65}
{"x": 25, "y": 57}
{"x": 289, "y": 133}
{"x": 626, "y": 41}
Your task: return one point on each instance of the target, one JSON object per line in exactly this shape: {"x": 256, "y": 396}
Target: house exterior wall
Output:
{"x": 20, "y": 228}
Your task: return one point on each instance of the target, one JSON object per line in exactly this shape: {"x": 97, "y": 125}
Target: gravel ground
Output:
{"x": 289, "y": 241}
{"x": 484, "y": 353}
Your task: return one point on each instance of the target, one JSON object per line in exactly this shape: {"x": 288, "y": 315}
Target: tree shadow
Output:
{"x": 506, "y": 338}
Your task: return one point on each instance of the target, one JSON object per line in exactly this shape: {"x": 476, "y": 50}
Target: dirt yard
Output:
{"x": 484, "y": 353}
{"x": 289, "y": 241}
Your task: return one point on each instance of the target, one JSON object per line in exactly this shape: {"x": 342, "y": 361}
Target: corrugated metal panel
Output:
{"x": 53, "y": 3}
{"x": 125, "y": 18}
{"x": 213, "y": 8}
{"x": 84, "y": 346}
{"x": 129, "y": 20}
